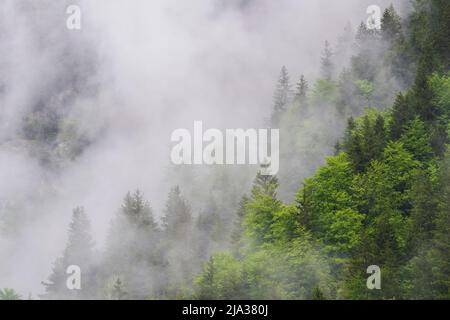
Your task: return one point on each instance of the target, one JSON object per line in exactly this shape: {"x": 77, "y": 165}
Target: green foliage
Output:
{"x": 365, "y": 140}
{"x": 416, "y": 140}
{"x": 332, "y": 216}
{"x": 222, "y": 278}
{"x": 383, "y": 199}
{"x": 366, "y": 89}
{"x": 391, "y": 27}
{"x": 324, "y": 91}
{"x": 9, "y": 294}
{"x": 282, "y": 270}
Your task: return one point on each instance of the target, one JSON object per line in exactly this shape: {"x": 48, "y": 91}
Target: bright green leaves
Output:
{"x": 328, "y": 195}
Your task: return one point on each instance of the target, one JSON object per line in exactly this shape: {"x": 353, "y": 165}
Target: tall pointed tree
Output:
{"x": 134, "y": 251}
{"x": 302, "y": 88}
{"x": 79, "y": 252}
{"x": 177, "y": 214}
{"x": 238, "y": 229}
{"x": 282, "y": 96}
{"x": 327, "y": 66}
{"x": 391, "y": 27}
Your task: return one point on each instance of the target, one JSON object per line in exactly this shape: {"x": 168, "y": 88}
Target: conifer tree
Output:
{"x": 78, "y": 251}
{"x": 422, "y": 93}
{"x": 441, "y": 244}
{"x": 177, "y": 214}
{"x": 391, "y": 28}
{"x": 138, "y": 212}
{"x": 118, "y": 292}
{"x": 134, "y": 251}
{"x": 238, "y": 229}
{"x": 402, "y": 113}
{"x": 282, "y": 96}
{"x": 327, "y": 66}
{"x": 302, "y": 88}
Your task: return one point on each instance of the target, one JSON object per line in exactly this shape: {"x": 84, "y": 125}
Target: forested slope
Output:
{"x": 364, "y": 180}
{"x": 383, "y": 199}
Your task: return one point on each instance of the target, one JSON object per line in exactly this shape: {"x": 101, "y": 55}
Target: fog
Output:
{"x": 135, "y": 72}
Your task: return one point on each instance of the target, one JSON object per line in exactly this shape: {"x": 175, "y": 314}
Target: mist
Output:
{"x": 135, "y": 72}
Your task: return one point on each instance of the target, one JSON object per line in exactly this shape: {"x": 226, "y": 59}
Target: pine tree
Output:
{"x": 282, "y": 97}
{"x": 78, "y": 251}
{"x": 138, "y": 212}
{"x": 134, "y": 250}
{"x": 177, "y": 214}
{"x": 365, "y": 65}
{"x": 374, "y": 136}
{"x": 118, "y": 291}
{"x": 306, "y": 212}
{"x": 441, "y": 244}
{"x": 265, "y": 184}
{"x": 345, "y": 43}
{"x": 364, "y": 35}
{"x": 238, "y": 229}
{"x": 348, "y": 135}
{"x": 206, "y": 291}
{"x": 391, "y": 28}
{"x": 327, "y": 66}
{"x": 356, "y": 153}
{"x": 422, "y": 93}
{"x": 210, "y": 233}
{"x": 402, "y": 113}
{"x": 424, "y": 210}
{"x": 302, "y": 88}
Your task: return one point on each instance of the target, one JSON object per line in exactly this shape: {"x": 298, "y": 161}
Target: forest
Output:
{"x": 375, "y": 190}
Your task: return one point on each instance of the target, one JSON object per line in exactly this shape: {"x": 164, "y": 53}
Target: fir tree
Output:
{"x": 441, "y": 244}
{"x": 78, "y": 251}
{"x": 118, "y": 291}
{"x": 282, "y": 96}
{"x": 327, "y": 66}
{"x": 401, "y": 114}
{"x": 391, "y": 28}
{"x": 238, "y": 229}
{"x": 177, "y": 214}
{"x": 138, "y": 212}
{"x": 134, "y": 251}
{"x": 302, "y": 88}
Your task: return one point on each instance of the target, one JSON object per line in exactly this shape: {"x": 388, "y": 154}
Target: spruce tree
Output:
{"x": 78, "y": 251}
{"x": 327, "y": 66}
{"x": 238, "y": 229}
{"x": 402, "y": 113}
{"x": 134, "y": 251}
{"x": 302, "y": 88}
{"x": 391, "y": 28}
{"x": 118, "y": 291}
{"x": 282, "y": 97}
{"x": 138, "y": 212}
{"x": 441, "y": 244}
{"x": 177, "y": 217}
